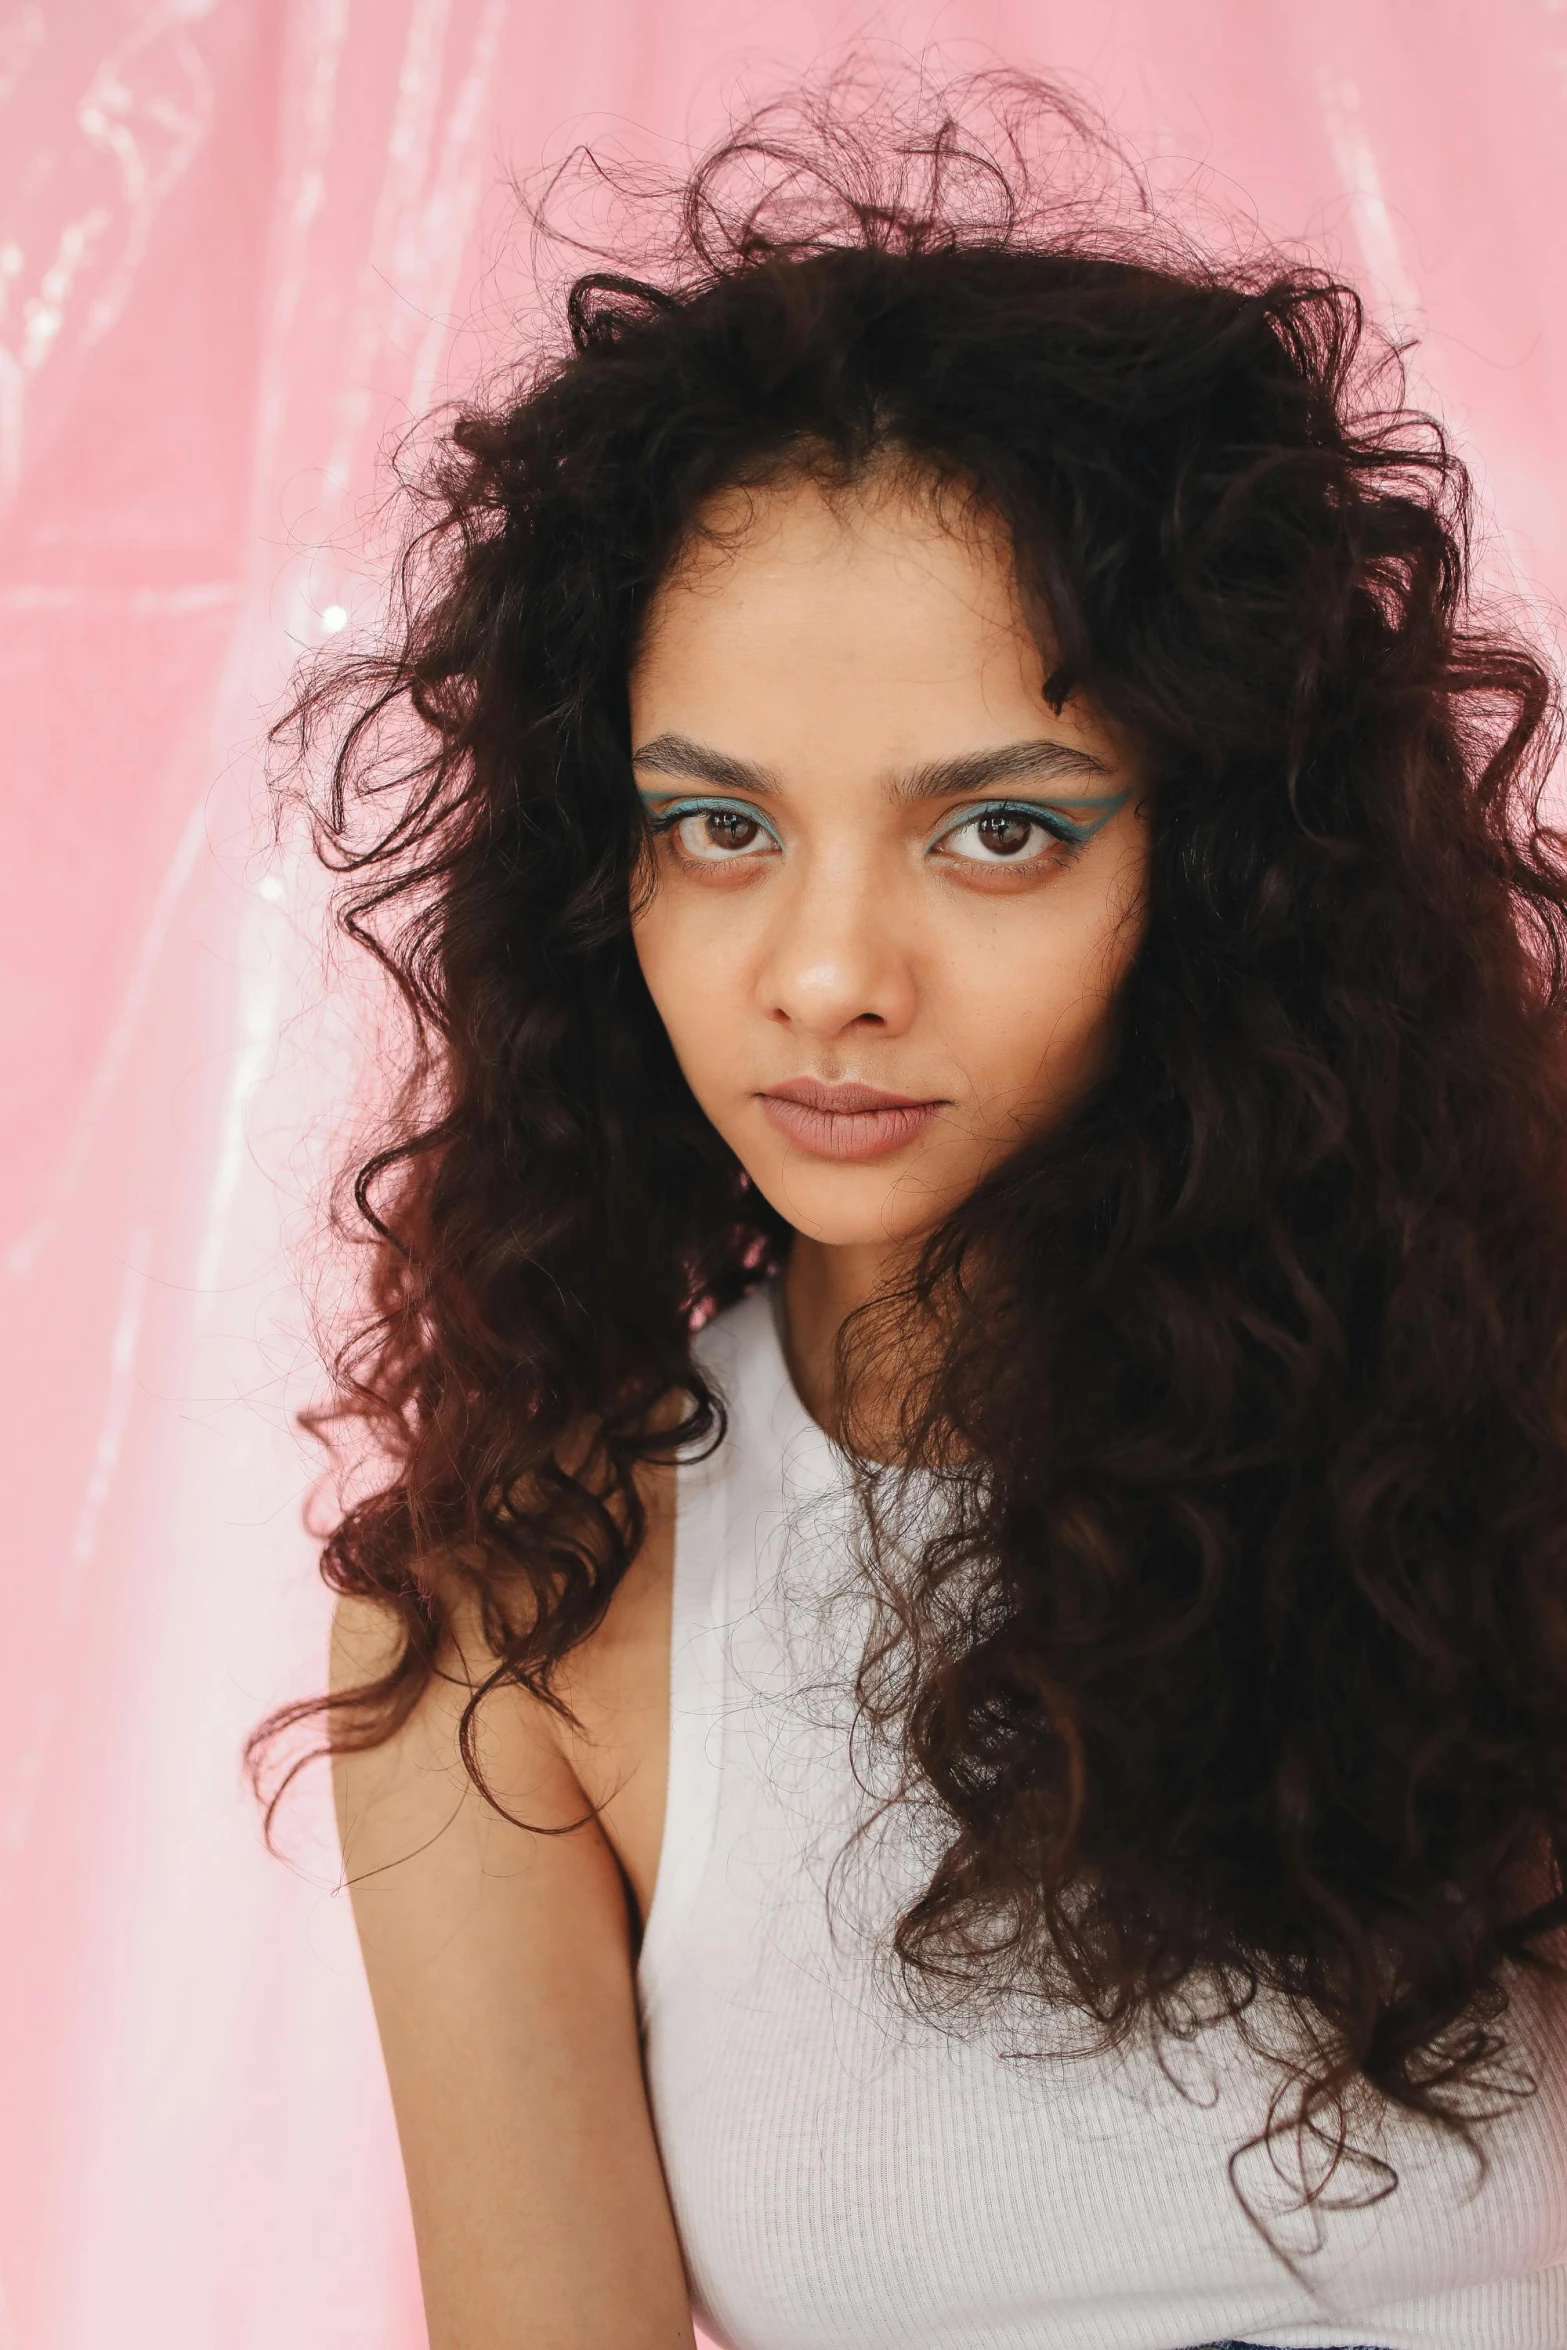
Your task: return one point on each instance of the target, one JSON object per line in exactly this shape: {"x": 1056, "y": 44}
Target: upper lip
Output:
{"x": 844, "y": 1099}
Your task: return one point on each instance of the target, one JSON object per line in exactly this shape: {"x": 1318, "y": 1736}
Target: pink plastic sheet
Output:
{"x": 240, "y": 242}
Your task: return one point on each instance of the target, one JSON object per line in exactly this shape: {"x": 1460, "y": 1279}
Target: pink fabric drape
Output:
{"x": 240, "y": 242}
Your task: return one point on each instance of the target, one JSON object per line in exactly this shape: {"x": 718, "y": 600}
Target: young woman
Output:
{"x": 951, "y": 1717}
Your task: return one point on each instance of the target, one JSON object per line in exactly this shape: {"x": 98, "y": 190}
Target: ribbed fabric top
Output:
{"x": 847, "y": 2177}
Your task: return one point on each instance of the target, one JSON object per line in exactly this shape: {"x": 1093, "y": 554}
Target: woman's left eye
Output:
{"x": 1001, "y": 836}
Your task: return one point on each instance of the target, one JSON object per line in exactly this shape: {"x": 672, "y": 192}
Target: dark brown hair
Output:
{"x": 1240, "y": 1657}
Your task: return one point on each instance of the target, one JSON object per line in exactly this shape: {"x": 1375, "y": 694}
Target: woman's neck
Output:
{"x": 822, "y": 1286}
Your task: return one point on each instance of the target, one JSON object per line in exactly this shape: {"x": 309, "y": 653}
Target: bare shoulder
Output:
{"x": 612, "y": 1759}
{"x": 500, "y": 1955}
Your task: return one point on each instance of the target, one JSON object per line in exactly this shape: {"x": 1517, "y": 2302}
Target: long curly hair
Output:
{"x": 1239, "y": 1658}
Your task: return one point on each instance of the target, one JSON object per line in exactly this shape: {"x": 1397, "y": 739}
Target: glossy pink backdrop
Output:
{"x": 240, "y": 242}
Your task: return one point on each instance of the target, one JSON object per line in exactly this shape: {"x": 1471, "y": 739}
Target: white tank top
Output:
{"x": 845, "y": 2177}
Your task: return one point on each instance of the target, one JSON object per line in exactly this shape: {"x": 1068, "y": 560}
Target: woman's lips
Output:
{"x": 845, "y": 1121}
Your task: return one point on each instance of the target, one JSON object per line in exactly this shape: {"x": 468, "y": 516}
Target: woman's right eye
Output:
{"x": 714, "y": 836}
{"x": 726, "y": 831}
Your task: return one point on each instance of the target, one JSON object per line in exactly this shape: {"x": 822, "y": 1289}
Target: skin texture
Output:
{"x": 812, "y": 658}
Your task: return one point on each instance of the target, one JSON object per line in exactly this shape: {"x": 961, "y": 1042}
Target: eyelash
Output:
{"x": 1063, "y": 829}
{"x": 666, "y": 820}
{"x": 1070, "y": 835}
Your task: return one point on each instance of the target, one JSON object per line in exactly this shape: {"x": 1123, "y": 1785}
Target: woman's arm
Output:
{"x": 501, "y": 1970}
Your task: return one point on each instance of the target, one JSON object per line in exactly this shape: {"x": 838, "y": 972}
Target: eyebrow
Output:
{"x": 676, "y": 754}
{"x": 978, "y": 771}
{"x": 1042, "y": 761}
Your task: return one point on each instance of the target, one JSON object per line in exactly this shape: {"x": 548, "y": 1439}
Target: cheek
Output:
{"x": 1007, "y": 1028}
{"x": 1024, "y": 1010}
{"x": 657, "y": 943}
{"x": 682, "y": 966}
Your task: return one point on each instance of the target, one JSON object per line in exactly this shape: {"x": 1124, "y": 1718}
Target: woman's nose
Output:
{"x": 834, "y": 960}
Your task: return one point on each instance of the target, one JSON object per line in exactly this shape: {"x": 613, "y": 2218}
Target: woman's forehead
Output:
{"x": 790, "y": 577}
{"x": 892, "y": 629}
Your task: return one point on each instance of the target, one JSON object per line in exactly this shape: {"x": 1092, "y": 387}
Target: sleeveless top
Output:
{"x": 847, "y": 2176}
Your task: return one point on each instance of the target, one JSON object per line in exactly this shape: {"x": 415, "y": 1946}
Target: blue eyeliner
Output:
{"x": 1046, "y": 812}
{"x": 669, "y": 809}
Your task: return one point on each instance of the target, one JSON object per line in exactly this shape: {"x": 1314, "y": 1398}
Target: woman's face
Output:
{"x": 892, "y": 892}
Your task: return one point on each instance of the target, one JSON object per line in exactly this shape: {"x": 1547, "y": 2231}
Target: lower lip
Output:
{"x": 848, "y": 1134}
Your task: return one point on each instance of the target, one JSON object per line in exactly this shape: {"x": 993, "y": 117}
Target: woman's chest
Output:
{"x": 929, "y": 2189}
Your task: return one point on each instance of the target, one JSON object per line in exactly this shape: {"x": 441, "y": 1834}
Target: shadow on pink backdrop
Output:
{"x": 241, "y": 242}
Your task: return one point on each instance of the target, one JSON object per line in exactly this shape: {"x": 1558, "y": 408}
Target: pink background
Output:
{"x": 240, "y": 240}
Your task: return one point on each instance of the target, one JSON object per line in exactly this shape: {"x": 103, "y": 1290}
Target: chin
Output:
{"x": 859, "y": 1208}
